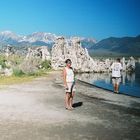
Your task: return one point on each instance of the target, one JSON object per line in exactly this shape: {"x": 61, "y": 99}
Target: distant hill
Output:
{"x": 117, "y": 46}
{"x": 88, "y": 42}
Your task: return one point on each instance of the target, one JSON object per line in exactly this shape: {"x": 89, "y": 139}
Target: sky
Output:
{"x": 85, "y": 18}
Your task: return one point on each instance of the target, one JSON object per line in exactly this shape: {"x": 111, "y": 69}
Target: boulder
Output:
{"x": 7, "y": 72}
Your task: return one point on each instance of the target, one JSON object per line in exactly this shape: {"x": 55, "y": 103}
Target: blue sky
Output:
{"x": 88, "y": 18}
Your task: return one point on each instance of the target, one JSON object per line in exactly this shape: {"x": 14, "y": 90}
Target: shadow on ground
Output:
{"x": 78, "y": 104}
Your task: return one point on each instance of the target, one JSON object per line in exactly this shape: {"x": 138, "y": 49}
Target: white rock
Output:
{"x": 131, "y": 64}
{"x": 8, "y": 72}
{"x": 62, "y": 50}
{"x": 39, "y": 52}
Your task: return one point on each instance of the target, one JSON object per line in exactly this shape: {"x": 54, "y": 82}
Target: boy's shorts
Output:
{"x": 116, "y": 80}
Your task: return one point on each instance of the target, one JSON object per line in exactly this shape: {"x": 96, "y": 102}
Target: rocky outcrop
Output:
{"x": 63, "y": 49}
{"x": 123, "y": 61}
{"x": 6, "y": 71}
{"x": 39, "y": 52}
{"x": 81, "y": 60}
{"x": 8, "y": 51}
{"x": 131, "y": 64}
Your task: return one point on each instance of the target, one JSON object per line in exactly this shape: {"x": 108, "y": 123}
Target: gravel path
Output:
{"x": 35, "y": 111}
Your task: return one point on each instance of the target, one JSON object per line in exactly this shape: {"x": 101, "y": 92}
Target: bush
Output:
{"x": 2, "y": 62}
{"x": 30, "y": 66}
{"x": 18, "y": 72}
{"x": 46, "y": 64}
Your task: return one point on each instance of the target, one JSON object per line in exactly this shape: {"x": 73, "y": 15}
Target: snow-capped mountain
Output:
{"x": 8, "y": 35}
{"x": 11, "y": 38}
{"x": 37, "y": 38}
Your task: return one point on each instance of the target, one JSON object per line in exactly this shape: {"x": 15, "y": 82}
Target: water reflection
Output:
{"x": 128, "y": 77}
{"x": 106, "y": 77}
{"x": 130, "y": 82}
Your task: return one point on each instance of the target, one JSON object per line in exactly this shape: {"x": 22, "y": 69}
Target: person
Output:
{"x": 69, "y": 84}
{"x": 116, "y": 68}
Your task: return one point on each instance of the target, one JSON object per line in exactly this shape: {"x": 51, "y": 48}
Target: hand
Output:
{"x": 66, "y": 87}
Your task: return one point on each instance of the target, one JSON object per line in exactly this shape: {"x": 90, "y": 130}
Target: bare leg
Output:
{"x": 117, "y": 88}
{"x": 67, "y": 100}
{"x": 114, "y": 86}
{"x": 71, "y": 100}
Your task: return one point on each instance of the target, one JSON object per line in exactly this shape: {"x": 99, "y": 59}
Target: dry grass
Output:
{"x": 15, "y": 80}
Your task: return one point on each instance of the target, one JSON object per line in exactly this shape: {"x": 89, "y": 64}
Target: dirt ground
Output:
{"x": 35, "y": 111}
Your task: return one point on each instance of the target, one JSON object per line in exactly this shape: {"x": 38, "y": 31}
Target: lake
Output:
{"x": 130, "y": 84}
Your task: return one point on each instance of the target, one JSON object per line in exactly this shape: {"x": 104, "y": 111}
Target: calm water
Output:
{"x": 130, "y": 82}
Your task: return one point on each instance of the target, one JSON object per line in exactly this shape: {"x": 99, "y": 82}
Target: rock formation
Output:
{"x": 81, "y": 61}
{"x": 72, "y": 49}
{"x": 39, "y": 52}
{"x": 62, "y": 50}
{"x": 8, "y": 51}
{"x": 6, "y": 68}
{"x": 123, "y": 63}
{"x": 131, "y": 64}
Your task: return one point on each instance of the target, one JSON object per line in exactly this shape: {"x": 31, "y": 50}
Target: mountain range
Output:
{"x": 108, "y": 46}
{"x": 117, "y": 46}
{"x": 36, "y": 39}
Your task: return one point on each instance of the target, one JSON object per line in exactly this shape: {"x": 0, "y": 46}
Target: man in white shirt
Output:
{"x": 116, "y": 68}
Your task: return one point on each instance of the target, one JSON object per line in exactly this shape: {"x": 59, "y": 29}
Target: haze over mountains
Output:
{"x": 109, "y": 46}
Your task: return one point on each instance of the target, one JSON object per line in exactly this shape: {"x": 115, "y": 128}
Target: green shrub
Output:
{"x": 2, "y": 62}
{"x": 46, "y": 64}
{"x": 18, "y": 72}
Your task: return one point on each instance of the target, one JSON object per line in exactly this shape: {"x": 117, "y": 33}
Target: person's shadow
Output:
{"x": 78, "y": 104}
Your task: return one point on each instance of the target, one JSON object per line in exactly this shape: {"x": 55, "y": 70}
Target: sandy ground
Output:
{"x": 35, "y": 111}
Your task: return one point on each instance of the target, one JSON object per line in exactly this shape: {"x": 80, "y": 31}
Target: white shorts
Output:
{"x": 116, "y": 80}
{"x": 71, "y": 87}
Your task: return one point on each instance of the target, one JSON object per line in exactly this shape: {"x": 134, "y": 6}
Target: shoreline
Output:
{"x": 111, "y": 91}
{"x": 108, "y": 96}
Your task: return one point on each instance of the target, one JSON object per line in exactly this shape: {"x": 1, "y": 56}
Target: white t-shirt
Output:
{"x": 69, "y": 75}
{"x": 116, "y": 68}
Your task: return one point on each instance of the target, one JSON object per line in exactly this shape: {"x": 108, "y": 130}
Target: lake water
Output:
{"x": 130, "y": 84}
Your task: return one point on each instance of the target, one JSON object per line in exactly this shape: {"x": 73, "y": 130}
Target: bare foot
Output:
{"x": 71, "y": 107}
{"x": 68, "y": 108}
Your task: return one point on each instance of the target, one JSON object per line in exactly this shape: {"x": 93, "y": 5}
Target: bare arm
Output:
{"x": 64, "y": 78}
